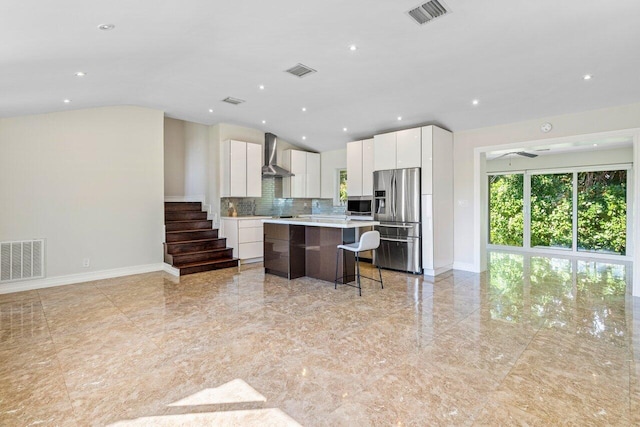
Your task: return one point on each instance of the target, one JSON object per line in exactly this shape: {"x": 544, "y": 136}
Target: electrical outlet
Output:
{"x": 86, "y": 262}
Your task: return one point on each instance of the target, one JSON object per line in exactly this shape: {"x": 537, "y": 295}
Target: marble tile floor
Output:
{"x": 533, "y": 341}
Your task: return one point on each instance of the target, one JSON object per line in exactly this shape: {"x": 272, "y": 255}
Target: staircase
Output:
{"x": 192, "y": 245}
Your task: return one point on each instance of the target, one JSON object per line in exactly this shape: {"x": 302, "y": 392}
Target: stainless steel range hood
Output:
{"x": 271, "y": 169}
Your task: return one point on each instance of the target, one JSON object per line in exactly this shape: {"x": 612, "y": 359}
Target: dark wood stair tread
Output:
{"x": 195, "y": 241}
{"x": 212, "y": 262}
{"x": 205, "y": 251}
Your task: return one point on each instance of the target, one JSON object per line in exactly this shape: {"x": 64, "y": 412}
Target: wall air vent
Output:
{"x": 233, "y": 101}
{"x": 428, "y": 11}
{"x": 300, "y": 70}
{"x": 21, "y": 260}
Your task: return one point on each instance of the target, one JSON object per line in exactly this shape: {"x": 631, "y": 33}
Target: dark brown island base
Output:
{"x": 300, "y": 247}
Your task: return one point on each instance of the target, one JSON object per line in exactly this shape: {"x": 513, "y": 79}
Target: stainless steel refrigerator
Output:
{"x": 397, "y": 206}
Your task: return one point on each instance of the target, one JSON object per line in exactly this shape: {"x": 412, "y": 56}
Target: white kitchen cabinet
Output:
{"x": 437, "y": 200}
{"x": 313, "y": 176}
{"x": 360, "y": 168}
{"x": 354, "y": 168}
{"x": 245, "y": 235}
{"x": 254, "y": 170}
{"x": 240, "y": 169}
{"x": 408, "y": 148}
{"x": 437, "y": 158}
{"x": 306, "y": 169}
{"x": 397, "y": 150}
{"x": 384, "y": 151}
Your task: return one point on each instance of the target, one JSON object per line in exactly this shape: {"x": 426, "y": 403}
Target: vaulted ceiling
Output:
{"x": 520, "y": 59}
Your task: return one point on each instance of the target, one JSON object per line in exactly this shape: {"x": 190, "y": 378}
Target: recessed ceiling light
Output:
{"x": 80, "y": 74}
{"x": 344, "y": 129}
{"x": 211, "y": 110}
{"x": 261, "y": 87}
{"x": 304, "y": 137}
{"x": 304, "y": 109}
{"x": 595, "y": 145}
{"x": 475, "y": 102}
{"x": 353, "y": 47}
{"x": 66, "y": 101}
{"x": 264, "y": 122}
{"x": 587, "y": 77}
{"x": 399, "y": 117}
{"x": 106, "y": 27}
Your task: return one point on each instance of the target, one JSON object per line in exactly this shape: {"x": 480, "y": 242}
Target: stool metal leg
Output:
{"x": 358, "y": 272}
{"x": 380, "y": 274}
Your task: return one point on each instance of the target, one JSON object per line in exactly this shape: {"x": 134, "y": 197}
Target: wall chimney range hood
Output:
{"x": 270, "y": 168}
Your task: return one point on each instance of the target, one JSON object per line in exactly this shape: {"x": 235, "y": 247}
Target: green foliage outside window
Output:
{"x": 506, "y": 220}
{"x": 602, "y": 211}
{"x": 552, "y": 210}
{"x": 601, "y": 206}
{"x": 343, "y": 186}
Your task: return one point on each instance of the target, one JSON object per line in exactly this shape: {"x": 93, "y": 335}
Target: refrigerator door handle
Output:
{"x": 395, "y": 226}
{"x": 395, "y": 195}
{"x": 387, "y": 239}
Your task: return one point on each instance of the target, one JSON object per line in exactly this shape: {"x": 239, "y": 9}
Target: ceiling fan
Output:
{"x": 519, "y": 153}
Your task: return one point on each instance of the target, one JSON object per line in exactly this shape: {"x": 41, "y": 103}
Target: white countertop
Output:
{"x": 322, "y": 222}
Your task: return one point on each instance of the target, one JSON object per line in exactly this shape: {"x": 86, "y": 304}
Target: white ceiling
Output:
{"x": 522, "y": 59}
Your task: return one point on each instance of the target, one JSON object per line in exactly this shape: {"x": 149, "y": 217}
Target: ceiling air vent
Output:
{"x": 300, "y": 70}
{"x": 428, "y": 11}
{"x": 233, "y": 101}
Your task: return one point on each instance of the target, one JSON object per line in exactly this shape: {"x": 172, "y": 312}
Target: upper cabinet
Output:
{"x": 360, "y": 168}
{"x": 397, "y": 150}
{"x": 240, "y": 169}
{"x": 437, "y": 144}
{"x": 305, "y": 167}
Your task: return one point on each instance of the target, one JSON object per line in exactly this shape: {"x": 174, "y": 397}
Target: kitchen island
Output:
{"x": 297, "y": 247}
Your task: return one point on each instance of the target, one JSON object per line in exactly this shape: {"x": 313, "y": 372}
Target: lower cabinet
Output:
{"x": 245, "y": 236}
{"x": 284, "y": 250}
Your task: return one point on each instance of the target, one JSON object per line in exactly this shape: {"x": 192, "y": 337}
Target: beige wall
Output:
{"x": 174, "y": 152}
{"x": 90, "y": 182}
{"x": 186, "y": 151}
{"x": 331, "y": 162}
{"x": 467, "y": 167}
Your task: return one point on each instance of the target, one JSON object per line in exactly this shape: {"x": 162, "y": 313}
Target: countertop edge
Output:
{"x": 320, "y": 223}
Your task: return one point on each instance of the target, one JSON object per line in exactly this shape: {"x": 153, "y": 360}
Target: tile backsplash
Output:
{"x": 270, "y": 205}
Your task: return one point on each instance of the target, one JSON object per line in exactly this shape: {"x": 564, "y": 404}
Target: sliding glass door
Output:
{"x": 552, "y": 210}
{"x": 580, "y": 210}
{"x": 506, "y": 215}
{"x": 602, "y": 212}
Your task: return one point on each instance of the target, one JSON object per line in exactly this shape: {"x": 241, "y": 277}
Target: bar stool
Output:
{"x": 368, "y": 241}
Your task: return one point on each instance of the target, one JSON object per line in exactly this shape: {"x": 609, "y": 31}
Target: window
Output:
{"x": 581, "y": 210}
{"x": 552, "y": 210}
{"x": 506, "y": 217}
{"x": 602, "y": 211}
{"x": 342, "y": 186}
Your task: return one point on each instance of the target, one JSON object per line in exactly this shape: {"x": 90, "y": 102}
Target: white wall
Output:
{"x": 90, "y": 182}
{"x": 331, "y": 162}
{"x": 467, "y": 166}
{"x": 555, "y": 161}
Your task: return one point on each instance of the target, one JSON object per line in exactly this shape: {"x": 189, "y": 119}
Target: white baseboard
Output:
{"x": 465, "y": 266}
{"x": 168, "y": 268}
{"x": 194, "y": 198}
{"x": 437, "y": 271}
{"x": 28, "y": 285}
